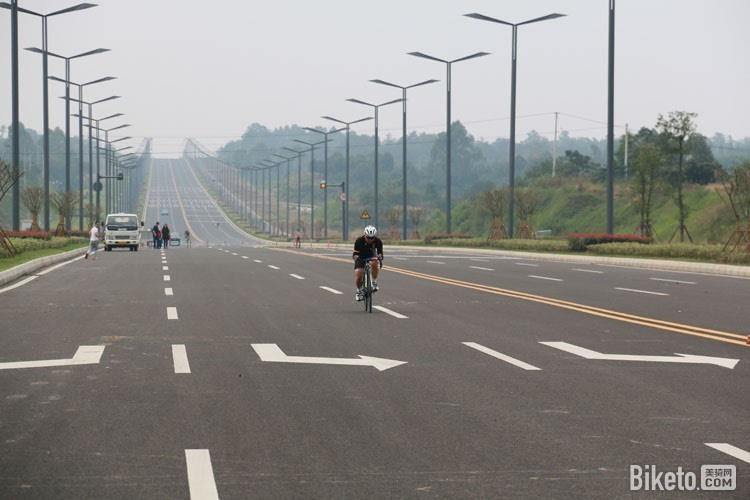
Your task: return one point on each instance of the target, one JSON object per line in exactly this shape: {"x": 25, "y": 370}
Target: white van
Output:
{"x": 122, "y": 230}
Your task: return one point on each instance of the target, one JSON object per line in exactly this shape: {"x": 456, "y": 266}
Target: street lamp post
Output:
{"x": 376, "y": 108}
{"x": 346, "y": 181}
{"x": 98, "y": 187}
{"x": 312, "y": 182}
{"x": 67, "y": 107}
{"x": 448, "y": 65}
{"x": 299, "y": 183}
{"x": 110, "y": 167}
{"x": 288, "y": 162}
{"x": 403, "y": 90}
{"x": 276, "y": 165}
{"x": 325, "y": 173}
{"x": 512, "y": 153}
{"x": 81, "y": 102}
{"x": 45, "y": 95}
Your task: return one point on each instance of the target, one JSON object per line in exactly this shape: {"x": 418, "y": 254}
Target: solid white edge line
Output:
{"x": 180, "y": 359}
{"x": 392, "y": 313}
{"x": 168, "y": 291}
{"x": 674, "y": 281}
{"x": 20, "y": 283}
{"x": 58, "y": 266}
{"x": 501, "y": 356}
{"x": 731, "y": 450}
{"x": 543, "y": 278}
{"x": 640, "y": 291}
{"x": 172, "y": 313}
{"x": 588, "y": 271}
{"x": 296, "y": 276}
{"x": 200, "y": 475}
{"x": 332, "y": 290}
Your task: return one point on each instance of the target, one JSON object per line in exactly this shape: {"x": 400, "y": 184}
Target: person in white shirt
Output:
{"x": 94, "y": 236}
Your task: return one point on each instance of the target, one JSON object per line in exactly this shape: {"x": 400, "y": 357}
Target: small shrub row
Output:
{"x": 429, "y": 238}
{"x": 29, "y": 244}
{"x": 36, "y": 235}
{"x": 672, "y": 251}
{"x": 578, "y": 242}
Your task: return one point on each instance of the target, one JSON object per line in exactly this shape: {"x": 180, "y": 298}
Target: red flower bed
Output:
{"x": 579, "y": 241}
{"x": 37, "y": 235}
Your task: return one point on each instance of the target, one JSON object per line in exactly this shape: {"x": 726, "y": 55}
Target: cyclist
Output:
{"x": 365, "y": 247}
{"x": 187, "y": 237}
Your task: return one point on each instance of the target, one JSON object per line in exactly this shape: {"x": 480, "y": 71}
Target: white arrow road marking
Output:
{"x": 677, "y": 358}
{"x": 172, "y": 313}
{"x": 331, "y": 290}
{"x": 640, "y": 291}
{"x": 85, "y": 355}
{"x": 179, "y": 356}
{"x": 200, "y": 475}
{"x": 168, "y": 291}
{"x": 273, "y": 267}
{"x": 588, "y": 271}
{"x": 392, "y": 313}
{"x": 674, "y": 281}
{"x": 296, "y": 276}
{"x": 731, "y": 450}
{"x": 544, "y": 278}
{"x": 166, "y": 277}
{"x": 481, "y": 268}
{"x": 272, "y": 353}
{"x": 498, "y": 355}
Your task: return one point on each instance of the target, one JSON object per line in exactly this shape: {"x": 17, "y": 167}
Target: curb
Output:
{"x": 34, "y": 265}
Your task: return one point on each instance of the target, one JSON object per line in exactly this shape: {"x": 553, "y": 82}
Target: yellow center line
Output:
{"x": 573, "y": 306}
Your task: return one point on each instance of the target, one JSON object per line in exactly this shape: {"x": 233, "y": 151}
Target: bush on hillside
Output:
{"x": 432, "y": 237}
{"x": 578, "y": 242}
{"x": 36, "y": 235}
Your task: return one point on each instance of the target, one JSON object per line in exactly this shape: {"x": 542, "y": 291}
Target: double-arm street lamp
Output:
{"x": 346, "y": 181}
{"x": 80, "y": 102}
{"x": 312, "y": 145}
{"x": 98, "y": 186}
{"x": 67, "y": 106}
{"x": 277, "y": 166}
{"x": 325, "y": 173}
{"x": 403, "y": 90}
{"x": 512, "y": 153}
{"x": 299, "y": 154}
{"x": 288, "y": 160}
{"x": 448, "y": 65}
{"x": 110, "y": 170}
{"x": 45, "y": 102}
{"x": 376, "y": 108}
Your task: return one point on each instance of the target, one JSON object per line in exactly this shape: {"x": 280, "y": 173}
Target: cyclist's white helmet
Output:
{"x": 370, "y": 231}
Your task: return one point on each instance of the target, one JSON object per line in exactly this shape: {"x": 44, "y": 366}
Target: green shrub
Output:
{"x": 579, "y": 241}
{"x": 29, "y": 244}
{"x": 430, "y": 238}
{"x": 712, "y": 253}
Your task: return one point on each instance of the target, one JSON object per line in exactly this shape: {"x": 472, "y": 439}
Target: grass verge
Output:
{"x": 9, "y": 262}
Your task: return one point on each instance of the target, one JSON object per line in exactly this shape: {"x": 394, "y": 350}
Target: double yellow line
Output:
{"x": 732, "y": 338}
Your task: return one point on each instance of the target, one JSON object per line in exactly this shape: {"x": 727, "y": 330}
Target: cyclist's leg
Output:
{"x": 359, "y": 275}
{"x": 375, "y": 267}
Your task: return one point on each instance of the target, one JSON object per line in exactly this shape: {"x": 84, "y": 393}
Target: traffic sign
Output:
{"x": 342, "y": 197}
{"x": 364, "y": 215}
{"x": 98, "y": 186}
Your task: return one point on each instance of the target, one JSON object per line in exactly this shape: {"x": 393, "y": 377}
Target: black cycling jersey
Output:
{"x": 365, "y": 250}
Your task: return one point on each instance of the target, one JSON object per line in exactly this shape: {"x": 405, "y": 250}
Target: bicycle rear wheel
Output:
{"x": 368, "y": 290}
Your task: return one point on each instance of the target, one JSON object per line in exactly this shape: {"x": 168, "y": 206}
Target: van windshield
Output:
{"x": 128, "y": 222}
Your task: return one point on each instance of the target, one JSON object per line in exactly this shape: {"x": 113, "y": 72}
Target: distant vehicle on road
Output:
{"x": 122, "y": 230}
{"x": 164, "y": 211}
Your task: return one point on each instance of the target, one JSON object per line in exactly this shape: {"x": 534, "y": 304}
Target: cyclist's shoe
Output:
{"x": 360, "y": 296}
{"x": 374, "y": 286}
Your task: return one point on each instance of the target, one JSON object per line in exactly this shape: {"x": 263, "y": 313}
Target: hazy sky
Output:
{"x": 208, "y": 69}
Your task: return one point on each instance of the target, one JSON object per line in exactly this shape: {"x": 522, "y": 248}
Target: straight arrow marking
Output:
{"x": 272, "y": 353}
{"x": 731, "y": 450}
{"x": 85, "y": 355}
{"x": 677, "y": 358}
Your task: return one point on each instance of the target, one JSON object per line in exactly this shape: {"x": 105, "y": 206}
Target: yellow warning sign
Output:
{"x": 364, "y": 215}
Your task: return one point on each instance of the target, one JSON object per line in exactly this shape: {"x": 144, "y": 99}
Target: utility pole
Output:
{"x": 554, "y": 148}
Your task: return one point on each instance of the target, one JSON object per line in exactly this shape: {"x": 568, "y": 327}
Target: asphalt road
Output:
{"x": 255, "y": 387}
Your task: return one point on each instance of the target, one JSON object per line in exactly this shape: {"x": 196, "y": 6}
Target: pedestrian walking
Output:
{"x": 298, "y": 239}
{"x": 94, "y": 236}
{"x": 155, "y": 233}
{"x": 187, "y": 238}
{"x": 166, "y": 235}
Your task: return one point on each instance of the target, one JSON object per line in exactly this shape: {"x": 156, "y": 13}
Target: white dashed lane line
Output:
{"x": 234, "y": 253}
{"x": 328, "y": 289}
{"x": 544, "y": 278}
{"x": 166, "y": 277}
{"x": 172, "y": 313}
{"x": 640, "y": 291}
{"x": 296, "y": 276}
{"x": 245, "y": 257}
{"x": 165, "y": 268}
{"x": 481, "y": 268}
{"x": 674, "y": 281}
{"x": 435, "y": 262}
{"x": 168, "y": 291}
{"x": 179, "y": 356}
{"x": 588, "y": 271}
{"x": 389, "y": 312}
{"x": 525, "y": 264}
{"x": 273, "y": 267}
{"x": 258, "y": 261}
{"x": 200, "y": 475}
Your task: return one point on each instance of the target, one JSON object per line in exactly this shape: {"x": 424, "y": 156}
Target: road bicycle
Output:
{"x": 367, "y": 288}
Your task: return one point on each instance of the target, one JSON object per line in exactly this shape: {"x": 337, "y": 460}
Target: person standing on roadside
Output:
{"x": 94, "y": 236}
{"x": 165, "y": 235}
{"x": 155, "y": 234}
